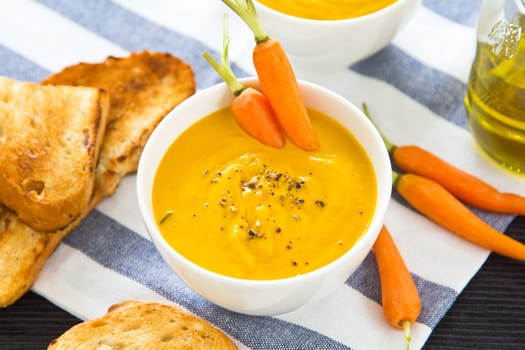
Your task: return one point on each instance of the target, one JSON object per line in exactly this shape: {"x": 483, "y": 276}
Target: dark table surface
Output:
{"x": 488, "y": 314}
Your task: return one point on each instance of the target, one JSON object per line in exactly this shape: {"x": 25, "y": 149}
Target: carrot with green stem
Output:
{"x": 439, "y": 205}
{"x": 399, "y": 295}
{"x": 277, "y": 80}
{"x": 250, "y": 108}
{"x": 468, "y": 188}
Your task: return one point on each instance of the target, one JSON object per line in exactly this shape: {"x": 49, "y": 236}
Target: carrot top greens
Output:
{"x": 246, "y": 11}
{"x": 224, "y": 68}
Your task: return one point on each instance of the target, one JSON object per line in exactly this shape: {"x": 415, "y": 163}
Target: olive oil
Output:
{"x": 495, "y": 103}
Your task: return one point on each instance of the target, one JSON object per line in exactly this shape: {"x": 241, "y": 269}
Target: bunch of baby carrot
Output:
{"x": 438, "y": 190}
{"x": 279, "y": 106}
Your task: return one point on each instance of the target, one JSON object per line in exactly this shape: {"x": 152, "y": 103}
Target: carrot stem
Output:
{"x": 408, "y": 337}
{"x": 439, "y": 205}
{"x": 395, "y": 178}
{"x": 224, "y": 69}
{"x": 389, "y": 145}
{"x": 246, "y": 11}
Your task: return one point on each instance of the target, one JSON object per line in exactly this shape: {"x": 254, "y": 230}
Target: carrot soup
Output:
{"x": 237, "y": 207}
{"x": 327, "y": 9}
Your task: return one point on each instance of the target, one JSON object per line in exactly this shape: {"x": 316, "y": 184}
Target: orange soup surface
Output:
{"x": 327, "y": 9}
{"x": 237, "y": 207}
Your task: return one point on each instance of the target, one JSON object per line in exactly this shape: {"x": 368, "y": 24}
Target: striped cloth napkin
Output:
{"x": 414, "y": 88}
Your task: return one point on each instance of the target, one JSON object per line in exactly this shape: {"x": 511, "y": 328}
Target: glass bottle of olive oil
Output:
{"x": 495, "y": 98}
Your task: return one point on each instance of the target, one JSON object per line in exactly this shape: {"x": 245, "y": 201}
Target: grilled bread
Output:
{"x": 23, "y": 250}
{"x": 50, "y": 137}
{"x": 143, "y": 87}
{"x": 143, "y": 325}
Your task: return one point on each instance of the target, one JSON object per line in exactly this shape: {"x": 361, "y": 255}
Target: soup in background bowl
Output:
{"x": 255, "y": 229}
{"x": 327, "y": 9}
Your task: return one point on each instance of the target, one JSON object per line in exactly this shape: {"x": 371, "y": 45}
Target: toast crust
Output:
{"x": 136, "y": 324}
{"x": 143, "y": 87}
{"x": 50, "y": 138}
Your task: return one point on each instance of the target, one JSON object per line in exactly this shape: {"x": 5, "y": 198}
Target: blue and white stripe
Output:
{"x": 414, "y": 89}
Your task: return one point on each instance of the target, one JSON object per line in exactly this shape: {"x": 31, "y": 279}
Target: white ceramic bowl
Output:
{"x": 335, "y": 44}
{"x": 258, "y": 297}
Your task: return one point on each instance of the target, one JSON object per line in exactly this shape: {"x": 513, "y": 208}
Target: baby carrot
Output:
{"x": 399, "y": 295}
{"x": 278, "y": 83}
{"x": 277, "y": 80}
{"x": 463, "y": 185}
{"x": 439, "y": 205}
{"x": 250, "y": 108}
{"x": 468, "y": 188}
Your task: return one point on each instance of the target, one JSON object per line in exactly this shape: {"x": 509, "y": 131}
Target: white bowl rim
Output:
{"x": 375, "y": 224}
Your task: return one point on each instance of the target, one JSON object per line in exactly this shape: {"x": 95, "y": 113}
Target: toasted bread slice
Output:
{"x": 143, "y": 87}
{"x": 50, "y": 137}
{"x": 23, "y": 250}
{"x": 143, "y": 325}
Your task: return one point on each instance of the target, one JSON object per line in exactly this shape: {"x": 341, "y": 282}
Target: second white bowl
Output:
{"x": 335, "y": 44}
